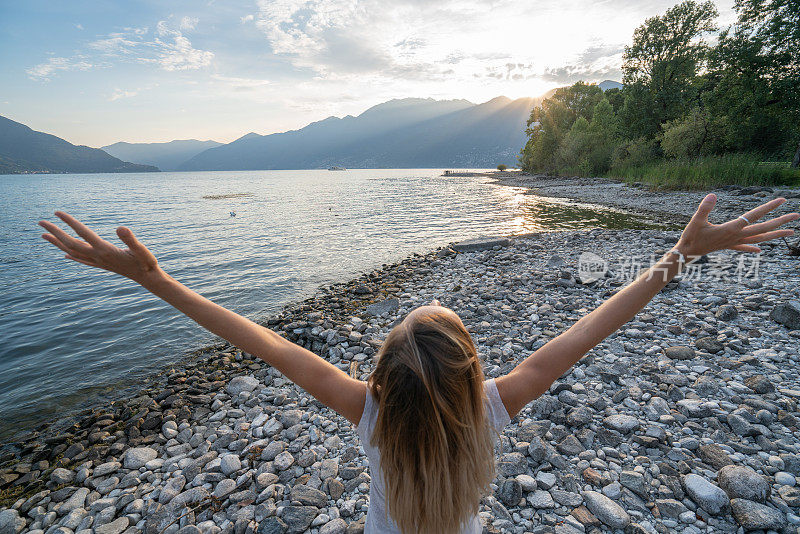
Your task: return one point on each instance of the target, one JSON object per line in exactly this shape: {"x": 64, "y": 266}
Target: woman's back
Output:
{"x": 377, "y": 520}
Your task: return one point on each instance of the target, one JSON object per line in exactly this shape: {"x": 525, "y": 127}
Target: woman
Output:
{"x": 426, "y": 417}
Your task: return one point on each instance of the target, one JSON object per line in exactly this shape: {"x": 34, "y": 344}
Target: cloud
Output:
{"x": 79, "y": 26}
{"x": 164, "y": 46}
{"x": 45, "y": 71}
{"x": 120, "y": 93}
{"x": 247, "y": 18}
{"x": 188, "y": 23}
{"x": 597, "y": 62}
{"x": 175, "y": 52}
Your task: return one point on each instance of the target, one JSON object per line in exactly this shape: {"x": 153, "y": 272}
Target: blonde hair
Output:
{"x": 437, "y": 456}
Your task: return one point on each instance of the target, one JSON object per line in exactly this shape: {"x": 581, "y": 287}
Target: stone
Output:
{"x": 239, "y": 384}
{"x": 785, "y": 479}
{"x": 621, "y": 423}
{"x": 224, "y": 487}
{"x": 726, "y": 313}
{"x": 606, "y": 510}
{"x": 709, "y": 344}
{"x": 741, "y": 482}
{"x": 541, "y": 499}
{"x": 11, "y": 522}
{"x": 384, "y": 306}
{"x": 77, "y": 500}
{"x": 670, "y": 508}
{"x": 570, "y": 446}
{"x": 481, "y": 243}
{"x": 679, "y": 353}
{"x": 527, "y": 482}
{"x": 510, "y": 491}
{"x": 115, "y": 527}
{"x": 708, "y": 496}
{"x": 309, "y": 496}
{"x": 633, "y": 481}
{"x": 171, "y": 489}
{"x": 511, "y": 464}
{"x": 755, "y": 516}
{"x": 337, "y": 526}
{"x": 106, "y": 469}
{"x": 61, "y": 476}
{"x": 787, "y": 314}
{"x": 759, "y": 384}
{"x": 136, "y": 458}
{"x": 714, "y": 455}
{"x": 229, "y": 463}
{"x": 272, "y": 525}
{"x": 298, "y": 518}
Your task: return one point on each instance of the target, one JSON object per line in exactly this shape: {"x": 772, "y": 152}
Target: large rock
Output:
{"x": 11, "y": 522}
{"x": 481, "y": 243}
{"x": 115, "y": 527}
{"x": 679, "y": 353}
{"x": 308, "y": 495}
{"x": 384, "y": 306}
{"x": 787, "y": 314}
{"x": 337, "y": 526}
{"x": 242, "y": 383}
{"x": 299, "y": 518}
{"x": 229, "y": 463}
{"x": 621, "y": 423}
{"x": 138, "y": 456}
{"x": 708, "y": 496}
{"x": 755, "y": 516}
{"x": 741, "y": 482}
{"x": 272, "y": 525}
{"x": 606, "y": 510}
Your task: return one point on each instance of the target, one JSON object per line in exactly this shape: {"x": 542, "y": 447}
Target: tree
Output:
{"x": 774, "y": 27}
{"x": 662, "y": 62}
{"x": 550, "y": 123}
{"x": 502, "y": 167}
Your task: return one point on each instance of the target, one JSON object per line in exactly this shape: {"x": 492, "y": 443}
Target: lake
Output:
{"x": 70, "y": 332}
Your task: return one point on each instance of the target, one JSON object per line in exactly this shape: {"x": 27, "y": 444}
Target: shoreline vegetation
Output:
{"x": 694, "y": 111}
{"x": 687, "y": 416}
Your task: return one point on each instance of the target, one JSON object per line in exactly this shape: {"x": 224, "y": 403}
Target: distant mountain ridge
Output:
{"x": 410, "y": 132}
{"x": 166, "y": 156}
{"x": 24, "y": 150}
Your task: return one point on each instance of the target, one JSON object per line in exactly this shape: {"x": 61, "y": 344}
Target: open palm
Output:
{"x": 701, "y": 237}
{"x": 135, "y": 262}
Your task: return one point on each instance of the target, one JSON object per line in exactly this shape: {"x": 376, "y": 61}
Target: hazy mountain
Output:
{"x": 400, "y": 133}
{"x": 26, "y": 150}
{"x": 605, "y": 85}
{"x": 165, "y": 156}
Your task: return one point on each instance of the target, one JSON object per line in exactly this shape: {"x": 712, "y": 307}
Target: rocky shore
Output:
{"x": 686, "y": 420}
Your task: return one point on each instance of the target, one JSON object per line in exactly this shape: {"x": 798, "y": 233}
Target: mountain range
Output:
{"x": 411, "y": 132}
{"x": 404, "y": 133}
{"x": 165, "y": 156}
{"x": 26, "y": 150}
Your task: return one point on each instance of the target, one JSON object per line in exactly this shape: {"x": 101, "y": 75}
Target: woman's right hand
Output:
{"x": 135, "y": 262}
{"x": 701, "y": 237}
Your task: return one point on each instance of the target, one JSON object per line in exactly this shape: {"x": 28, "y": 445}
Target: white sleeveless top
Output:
{"x": 377, "y": 521}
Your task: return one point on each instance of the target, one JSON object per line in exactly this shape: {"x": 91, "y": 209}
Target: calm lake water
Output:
{"x": 69, "y": 332}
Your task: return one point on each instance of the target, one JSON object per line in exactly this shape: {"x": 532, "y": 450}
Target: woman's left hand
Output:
{"x": 701, "y": 237}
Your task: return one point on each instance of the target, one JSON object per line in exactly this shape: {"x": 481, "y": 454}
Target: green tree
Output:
{"x": 660, "y": 66}
{"x": 549, "y": 124}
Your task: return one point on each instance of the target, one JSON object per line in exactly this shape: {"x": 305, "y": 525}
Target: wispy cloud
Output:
{"x": 121, "y": 93}
{"x": 45, "y": 71}
{"x": 165, "y": 46}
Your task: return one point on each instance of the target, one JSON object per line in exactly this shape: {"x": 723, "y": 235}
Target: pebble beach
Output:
{"x": 686, "y": 420}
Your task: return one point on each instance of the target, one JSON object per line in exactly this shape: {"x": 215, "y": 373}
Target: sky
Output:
{"x": 101, "y": 71}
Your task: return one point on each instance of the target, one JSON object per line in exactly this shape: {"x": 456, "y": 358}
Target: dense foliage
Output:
{"x": 700, "y": 105}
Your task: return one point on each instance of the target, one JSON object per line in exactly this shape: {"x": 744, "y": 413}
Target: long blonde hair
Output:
{"x": 437, "y": 456}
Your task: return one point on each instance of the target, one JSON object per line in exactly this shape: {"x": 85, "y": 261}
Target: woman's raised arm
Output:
{"x": 320, "y": 378}
{"x": 535, "y": 374}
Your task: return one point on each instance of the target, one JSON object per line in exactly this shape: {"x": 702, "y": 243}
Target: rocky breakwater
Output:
{"x": 686, "y": 420}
